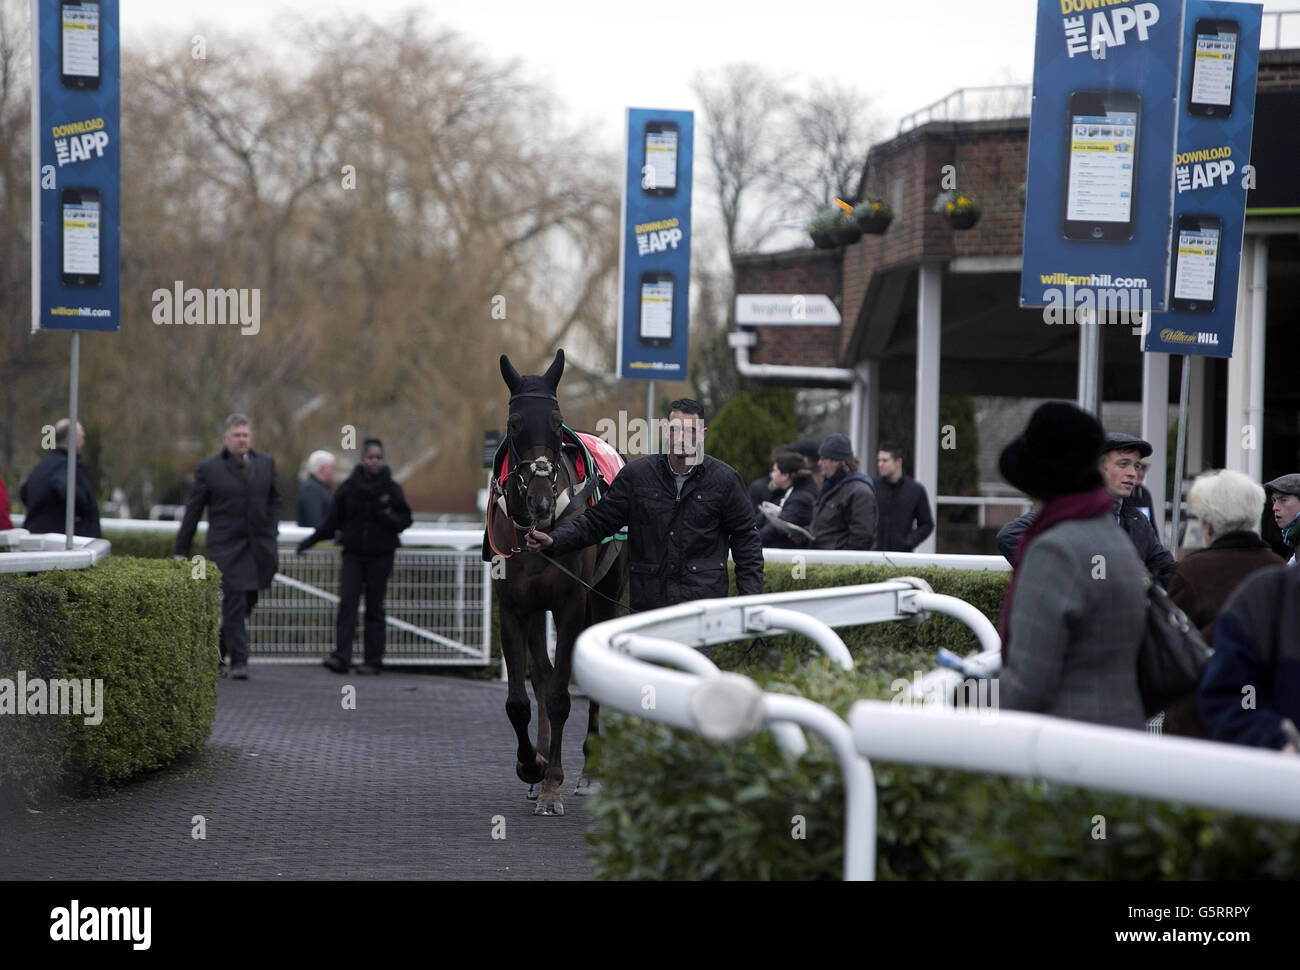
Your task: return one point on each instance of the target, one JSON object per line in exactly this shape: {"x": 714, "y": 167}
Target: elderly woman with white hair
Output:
{"x": 314, "y": 495}
{"x": 1228, "y": 505}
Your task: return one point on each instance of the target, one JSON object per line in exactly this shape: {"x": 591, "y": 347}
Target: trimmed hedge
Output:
{"x": 148, "y": 630}
{"x": 150, "y": 545}
{"x": 675, "y": 806}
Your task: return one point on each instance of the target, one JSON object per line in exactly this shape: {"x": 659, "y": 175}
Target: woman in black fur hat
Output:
{"x": 1074, "y": 613}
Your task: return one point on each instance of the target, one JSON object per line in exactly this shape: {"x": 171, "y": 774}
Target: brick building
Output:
{"x": 925, "y": 299}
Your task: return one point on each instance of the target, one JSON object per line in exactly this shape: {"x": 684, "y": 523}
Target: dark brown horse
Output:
{"x": 541, "y": 490}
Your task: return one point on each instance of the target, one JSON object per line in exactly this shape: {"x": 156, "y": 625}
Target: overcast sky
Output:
{"x": 601, "y": 57}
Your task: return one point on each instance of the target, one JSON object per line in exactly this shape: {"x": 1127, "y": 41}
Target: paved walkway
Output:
{"x": 292, "y": 786}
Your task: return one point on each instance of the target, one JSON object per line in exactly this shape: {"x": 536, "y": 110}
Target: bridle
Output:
{"x": 522, "y": 473}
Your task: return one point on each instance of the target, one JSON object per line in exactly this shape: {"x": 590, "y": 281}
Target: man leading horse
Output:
{"x": 683, "y": 511}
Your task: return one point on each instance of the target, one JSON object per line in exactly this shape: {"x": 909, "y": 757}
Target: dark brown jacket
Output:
{"x": 1202, "y": 582}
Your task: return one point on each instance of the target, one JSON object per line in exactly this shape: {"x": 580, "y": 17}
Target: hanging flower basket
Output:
{"x": 846, "y": 235}
{"x": 961, "y": 209}
{"x": 873, "y": 215}
{"x": 833, "y": 227}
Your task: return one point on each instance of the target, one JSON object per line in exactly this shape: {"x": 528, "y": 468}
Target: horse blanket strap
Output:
{"x": 608, "y": 461}
{"x": 607, "y": 556}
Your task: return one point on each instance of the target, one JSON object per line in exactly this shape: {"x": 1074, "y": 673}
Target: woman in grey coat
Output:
{"x": 1074, "y": 614}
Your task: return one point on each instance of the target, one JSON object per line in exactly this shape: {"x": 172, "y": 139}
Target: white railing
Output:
{"x": 899, "y": 560}
{"x": 438, "y": 608}
{"x": 726, "y": 708}
{"x": 983, "y": 103}
{"x": 986, "y": 502}
{"x": 26, "y": 552}
{"x": 1271, "y": 33}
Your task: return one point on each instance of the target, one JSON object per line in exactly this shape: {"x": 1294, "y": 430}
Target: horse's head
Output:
{"x": 533, "y": 433}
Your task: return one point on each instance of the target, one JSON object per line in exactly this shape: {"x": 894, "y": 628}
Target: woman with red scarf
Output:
{"x": 5, "y": 521}
{"x": 1074, "y": 613}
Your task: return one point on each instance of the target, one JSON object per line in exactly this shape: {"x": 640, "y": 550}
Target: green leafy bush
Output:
{"x": 148, "y": 630}
{"x": 149, "y": 545}
{"x": 748, "y": 427}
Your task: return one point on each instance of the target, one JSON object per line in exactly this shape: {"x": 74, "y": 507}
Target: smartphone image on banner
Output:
{"x": 79, "y": 43}
{"x": 656, "y": 326}
{"x": 1196, "y": 264}
{"x": 659, "y": 165}
{"x": 1214, "y": 68}
{"x": 82, "y": 215}
{"x": 1101, "y": 148}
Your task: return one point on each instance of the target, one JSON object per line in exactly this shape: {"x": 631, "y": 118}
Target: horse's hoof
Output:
{"x": 532, "y": 793}
{"x": 587, "y": 786}
{"x": 531, "y": 774}
{"x": 549, "y": 804}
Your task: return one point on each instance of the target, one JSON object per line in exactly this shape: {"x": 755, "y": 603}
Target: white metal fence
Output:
{"x": 1280, "y": 30}
{"x": 438, "y": 607}
{"x": 609, "y": 663}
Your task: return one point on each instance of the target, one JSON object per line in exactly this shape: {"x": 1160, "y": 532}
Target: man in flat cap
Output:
{"x": 1284, "y": 495}
{"x": 845, "y": 514}
{"x": 1120, "y": 455}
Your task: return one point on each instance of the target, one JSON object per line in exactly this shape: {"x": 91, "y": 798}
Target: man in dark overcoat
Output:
{"x": 238, "y": 489}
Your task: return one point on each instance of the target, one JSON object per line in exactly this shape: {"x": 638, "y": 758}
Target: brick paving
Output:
{"x": 292, "y": 786}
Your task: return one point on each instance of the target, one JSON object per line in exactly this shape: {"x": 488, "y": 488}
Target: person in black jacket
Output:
{"x": 683, "y": 511}
{"x": 790, "y": 474}
{"x": 238, "y": 489}
{"x": 45, "y": 493}
{"x": 845, "y": 514}
{"x": 900, "y": 502}
{"x": 1119, "y": 473}
{"x": 369, "y": 510}
{"x": 314, "y": 493}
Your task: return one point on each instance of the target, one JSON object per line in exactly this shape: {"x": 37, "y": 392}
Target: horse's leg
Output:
{"x": 586, "y": 784}
{"x": 539, "y": 673}
{"x": 601, "y": 609}
{"x": 568, "y": 624}
{"x": 530, "y": 765}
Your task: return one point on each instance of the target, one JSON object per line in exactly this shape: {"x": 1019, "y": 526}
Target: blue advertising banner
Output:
{"x": 1216, "y": 113}
{"x": 655, "y": 249}
{"x": 1101, "y": 135}
{"x": 76, "y": 165}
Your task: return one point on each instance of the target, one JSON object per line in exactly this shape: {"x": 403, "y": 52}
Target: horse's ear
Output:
{"x": 555, "y": 371}
{"x": 512, "y": 378}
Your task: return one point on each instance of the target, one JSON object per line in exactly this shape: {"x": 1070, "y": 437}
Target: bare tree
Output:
{"x": 743, "y": 109}
{"x": 377, "y": 193}
{"x": 830, "y": 131}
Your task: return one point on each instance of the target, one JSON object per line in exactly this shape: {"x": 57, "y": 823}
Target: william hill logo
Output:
{"x": 1171, "y": 336}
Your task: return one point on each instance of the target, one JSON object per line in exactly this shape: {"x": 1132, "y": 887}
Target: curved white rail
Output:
{"x": 727, "y": 708}
{"x": 1248, "y": 781}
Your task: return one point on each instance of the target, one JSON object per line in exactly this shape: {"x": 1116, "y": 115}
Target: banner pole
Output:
{"x": 1184, "y": 392}
{"x": 71, "y": 503}
{"x": 652, "y": 447}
